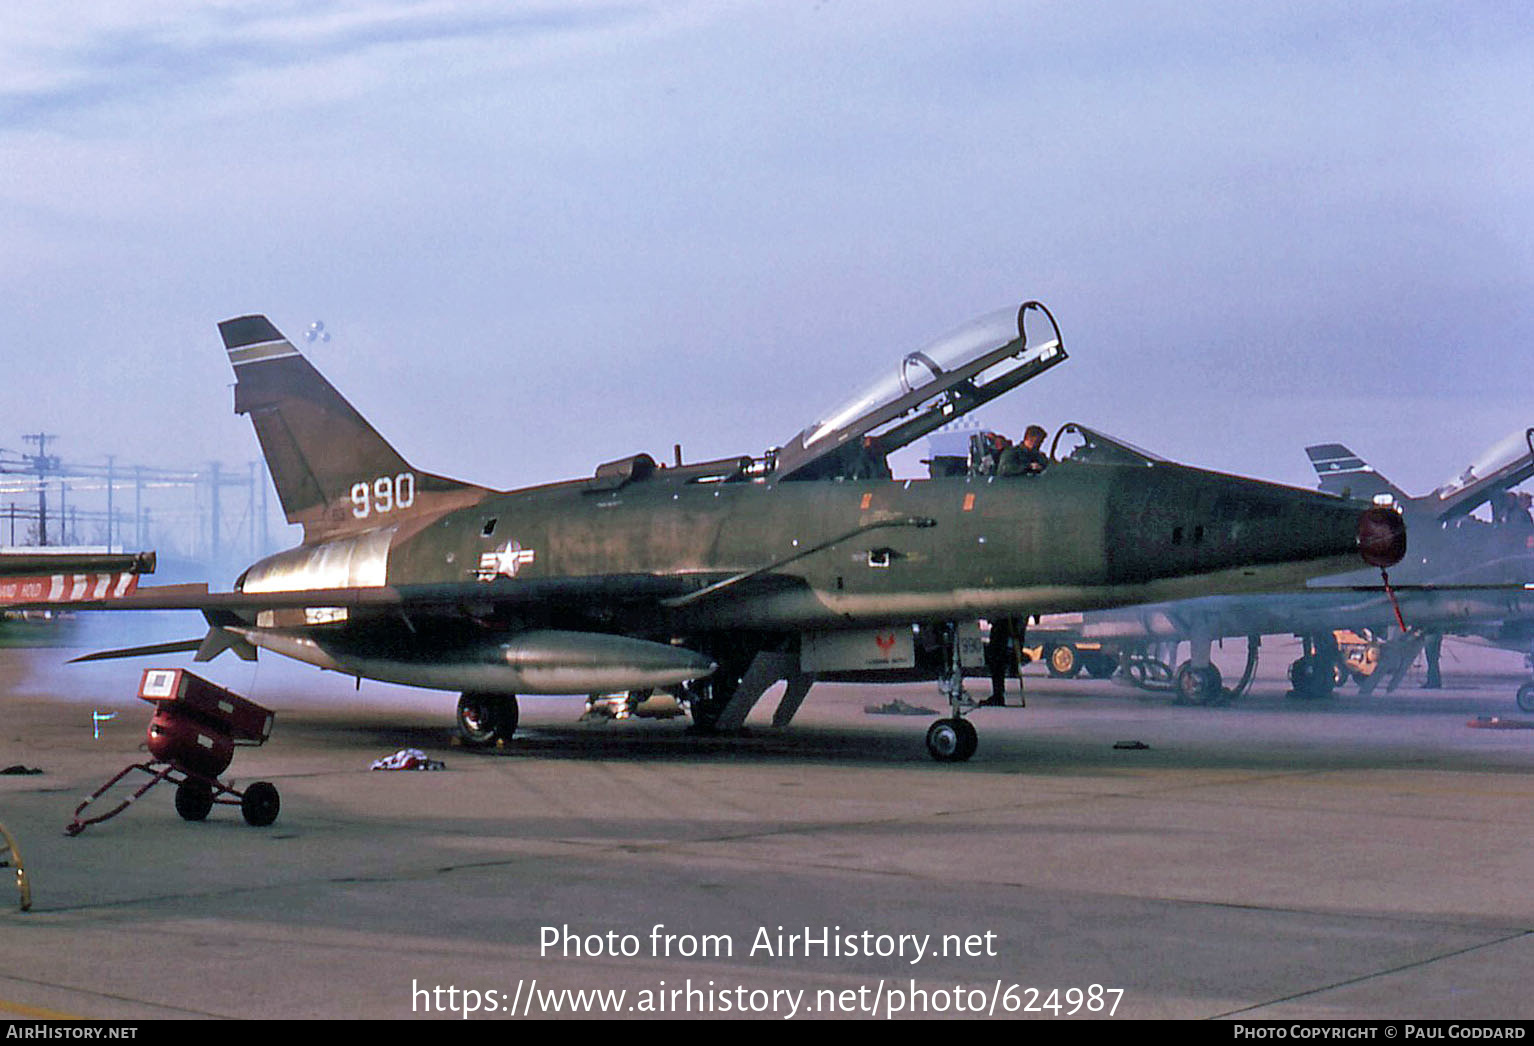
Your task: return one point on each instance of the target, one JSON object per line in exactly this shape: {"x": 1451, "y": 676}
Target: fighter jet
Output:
{"x": 719, "y": 578}
{"x": 1465, "y": 576}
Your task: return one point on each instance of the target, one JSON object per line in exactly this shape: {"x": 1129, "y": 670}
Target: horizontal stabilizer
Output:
{"x": 180, "y": 646}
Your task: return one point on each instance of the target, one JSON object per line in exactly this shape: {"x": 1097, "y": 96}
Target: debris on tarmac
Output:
{"x": 898, "y": 707}
{"x": 408, "y": 759}
{"x": 1491, "y": 722}
{"x": 1131, "y": 746}
{"x": 18, "y": 770}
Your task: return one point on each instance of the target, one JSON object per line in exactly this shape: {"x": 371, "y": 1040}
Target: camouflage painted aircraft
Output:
{"x": 1466, "y": 576}
{"x": 720, "y": 578}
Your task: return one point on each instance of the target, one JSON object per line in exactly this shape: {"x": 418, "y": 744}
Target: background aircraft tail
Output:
{"x": 1346, "y": 474}
{"x": 333, "y": 472}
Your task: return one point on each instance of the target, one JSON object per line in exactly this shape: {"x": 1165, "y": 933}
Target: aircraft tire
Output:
{"x": 194, "y": 800}
{"x": 1310, "y": 679}
{"x": 1063, "y": 661}
{"x": 260, "y": 804}
{"x": 970, "y": 740}
{"x": 951, "y": 740}
{"x": 1198, "y": 686}
{"x": 1526, "y": 697}
{"x": 484, "y": 719}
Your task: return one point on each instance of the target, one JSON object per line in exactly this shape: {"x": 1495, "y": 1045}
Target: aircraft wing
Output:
{"x": 578, "y": 596}
{"x": 602, "y": 588}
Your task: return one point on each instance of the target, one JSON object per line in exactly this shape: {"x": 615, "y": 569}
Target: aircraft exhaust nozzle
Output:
{"x": 1381, "y": 536}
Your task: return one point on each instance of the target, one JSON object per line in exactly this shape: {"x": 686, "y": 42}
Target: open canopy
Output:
{"x": 924, "y": 390}
{"x": 1508, "y": 463}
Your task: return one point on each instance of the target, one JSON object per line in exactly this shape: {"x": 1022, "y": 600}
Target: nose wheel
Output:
{"x": 952, "y": 740}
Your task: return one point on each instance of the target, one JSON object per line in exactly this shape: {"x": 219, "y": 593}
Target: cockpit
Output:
{"x": 928, "y": 388}
{"x": 1076, "y": 442}
{"x": 979, "y": 453}
{"x": 1494, "y": 473}
{"x": 924, "y": 391}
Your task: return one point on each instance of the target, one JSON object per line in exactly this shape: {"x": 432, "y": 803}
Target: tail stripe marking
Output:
{"x": 253, "y": 353}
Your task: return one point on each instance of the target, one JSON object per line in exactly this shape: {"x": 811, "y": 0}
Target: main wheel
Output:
{"x": 1311, "y": 678}
{"x": 1526, "y": 697}
{"x": 951, "y": 740}
{"x": 1198, "y": 685}
{"x": 193, "y": 800}
{"x": 260, "y": 804}
{"x": 484, "y": 719}
{"x": 1063, "y": 662}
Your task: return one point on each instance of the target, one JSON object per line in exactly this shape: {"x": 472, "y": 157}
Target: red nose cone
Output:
{"x": 1381, "y": 536}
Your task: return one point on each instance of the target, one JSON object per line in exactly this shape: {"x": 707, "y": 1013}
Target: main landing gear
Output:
{"x": 1199, "y": 684}
{"x": 485, "y": 719}
{"x": 1317, "y": 672}
{"x": 1203, "y": 684}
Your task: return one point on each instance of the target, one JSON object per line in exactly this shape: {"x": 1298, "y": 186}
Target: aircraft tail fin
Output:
{"x": 332, "y": 470}
{"x": 1346, "y": 474}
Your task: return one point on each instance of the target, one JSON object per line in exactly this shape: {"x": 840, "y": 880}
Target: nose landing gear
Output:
{"x": 953, "y": 740}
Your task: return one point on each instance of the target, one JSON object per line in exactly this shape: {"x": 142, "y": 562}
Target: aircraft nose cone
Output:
{"x": 1381, "y": 536}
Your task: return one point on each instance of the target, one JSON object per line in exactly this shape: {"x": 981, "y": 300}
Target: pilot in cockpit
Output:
{"x": 869, "y": 462}
{"x": 1026, "y": 458}
{"x": 1510, "y": 510}
{"x": 986, "y": 450}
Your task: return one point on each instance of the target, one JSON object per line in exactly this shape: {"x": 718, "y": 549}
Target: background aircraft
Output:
{"x": 1465, "y": 576}
{"x": 720, "y": 578}
{"x": 57, "y": 575}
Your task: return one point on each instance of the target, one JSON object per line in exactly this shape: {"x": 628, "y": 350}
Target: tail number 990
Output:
{"x": 384, "y": 494}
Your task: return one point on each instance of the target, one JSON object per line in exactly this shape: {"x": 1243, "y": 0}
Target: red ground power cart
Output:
{"x": 197, "y": 725}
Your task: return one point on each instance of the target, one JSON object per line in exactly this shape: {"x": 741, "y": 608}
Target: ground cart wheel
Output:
{"x": 193, "y": 799}
{"x": 260, "y": 804}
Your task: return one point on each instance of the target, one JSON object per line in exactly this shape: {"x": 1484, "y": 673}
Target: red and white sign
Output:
{"x": 66, "y": 588}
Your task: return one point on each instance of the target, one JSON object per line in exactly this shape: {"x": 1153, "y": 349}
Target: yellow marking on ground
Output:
{"x": 37, "y": 1012}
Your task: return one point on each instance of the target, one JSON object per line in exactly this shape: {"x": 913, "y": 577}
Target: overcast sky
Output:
{"x": 546, "y": 235}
